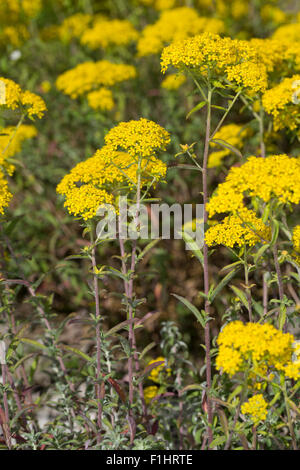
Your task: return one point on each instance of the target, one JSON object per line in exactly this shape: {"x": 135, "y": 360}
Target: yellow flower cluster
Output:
{"x": 281, "y": 179}
{"x": 256, "y": 407}
{"x": 273, "y": 14}
{"x": 296, "y": 238}
{"x": 288, "y": 32}
{"x": 233, "y": 134}
{"x": 139, "y": 138}
{"x": 93, "y": 78}
{"x": 225, "y": 59}
{"x": 156, "y": 372}
{"x": 282, "y": 102}
{"x": 173, "y": 81}
{"x": 296, "y": 244}
{"x": 97, "y": 180}
{"x": 11, "y": 140}
{"x": 14, "y": 35}
{"x": 101, "y": 99}
{"x": 235, "y": 9}
{"x": 244, "y": 228}
{"x": 272, "y": 52}
{"x": 5, "y": 195}
{"x": 14, "y": 10}
{"x": 14, "y": 18}
{"x": 14, "y": 97}
{"x": 150, "y": 392}
{"x": 74, "y": 26}
{"x": 105, "y": 33}
{"x": 241, "y": 345}
{"x": 173, "y": 25}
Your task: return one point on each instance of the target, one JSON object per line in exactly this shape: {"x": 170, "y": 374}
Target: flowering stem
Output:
{"x": 98, "y": 340}
{"x": 205, "y": 270}
{"x": 137, "y": 364}
{"x": 132, "y": 340}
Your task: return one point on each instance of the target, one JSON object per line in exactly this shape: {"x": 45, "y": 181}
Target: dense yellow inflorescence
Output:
{"x": 243, "y": 228}
{"x": 173, "y": 25}
{"x": 129, "y": 147}
{"x": 288, "y": 32}
{"x": 251, "y": 345}
{"x": 296, "y": 244}
{"x": 281, "y": 179}
{"x": 233, "y": 134}
{"x": 256, "y": 407}
{"x": 236, "y": 61}
{"x": 15, "y": 35}
{"x": 11, "y": 140}
{"x": 13, "y": 10}
{"x": 5, "y": 195}
{"x": 150, "y": 392}
{"x": 155, "y": 374}
{"x": 74, "y": 26}
{"x": 101, "y": 99}
{"x": 282, "y": 102}
{"x": 138, "y": 138}
{"x": 105, "y": 33}
{"x": 93, "y": 79}
{"x": 15, "y": 98}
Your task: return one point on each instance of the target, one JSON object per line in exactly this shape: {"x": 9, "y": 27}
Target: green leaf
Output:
{"x": 196, "y": 108}
{"x": 147, "y": 248}
{"x": 275, "y": 232}
{"x": 218, "y": 441}
{"x": 192, "y": 308}
{"x": 76, "y": 351}
{"x": 193, "y": 246}
{"x": 147, "y": 349}
{"x": 222, "y": 284}
{"x": 260, "y": 252}
{"x": 34, "y": 343}
{"x": 240, "y": 294}
{"x": 235, "y": 392}
{"x": 226, "y": 145}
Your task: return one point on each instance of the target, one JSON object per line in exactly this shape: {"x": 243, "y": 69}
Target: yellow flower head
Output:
{"x": 262, "y": 346}
{"x": 101, "y": 99}
{"x": 105, "y": 33}
{"x": 114, "y": 168}
{"x": 256, "y": 407}
{"x": 150, "y": 392}
{"x": 5, "y": 195}
{"x": 11, "y": 140}
{"x": 93, "y": 78}
{"x": 279, "y": 173}
{"x": 140, "y": 138}
{"x": 243, "y": 228}
{"x": 156, "y": 372}
{"x": 74, "y": 26}
{"x": 282, "y": 102}
{"x": 173, "y": 25}
{"x": 236, "y": 60}
{"x": 15, "y": 98}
